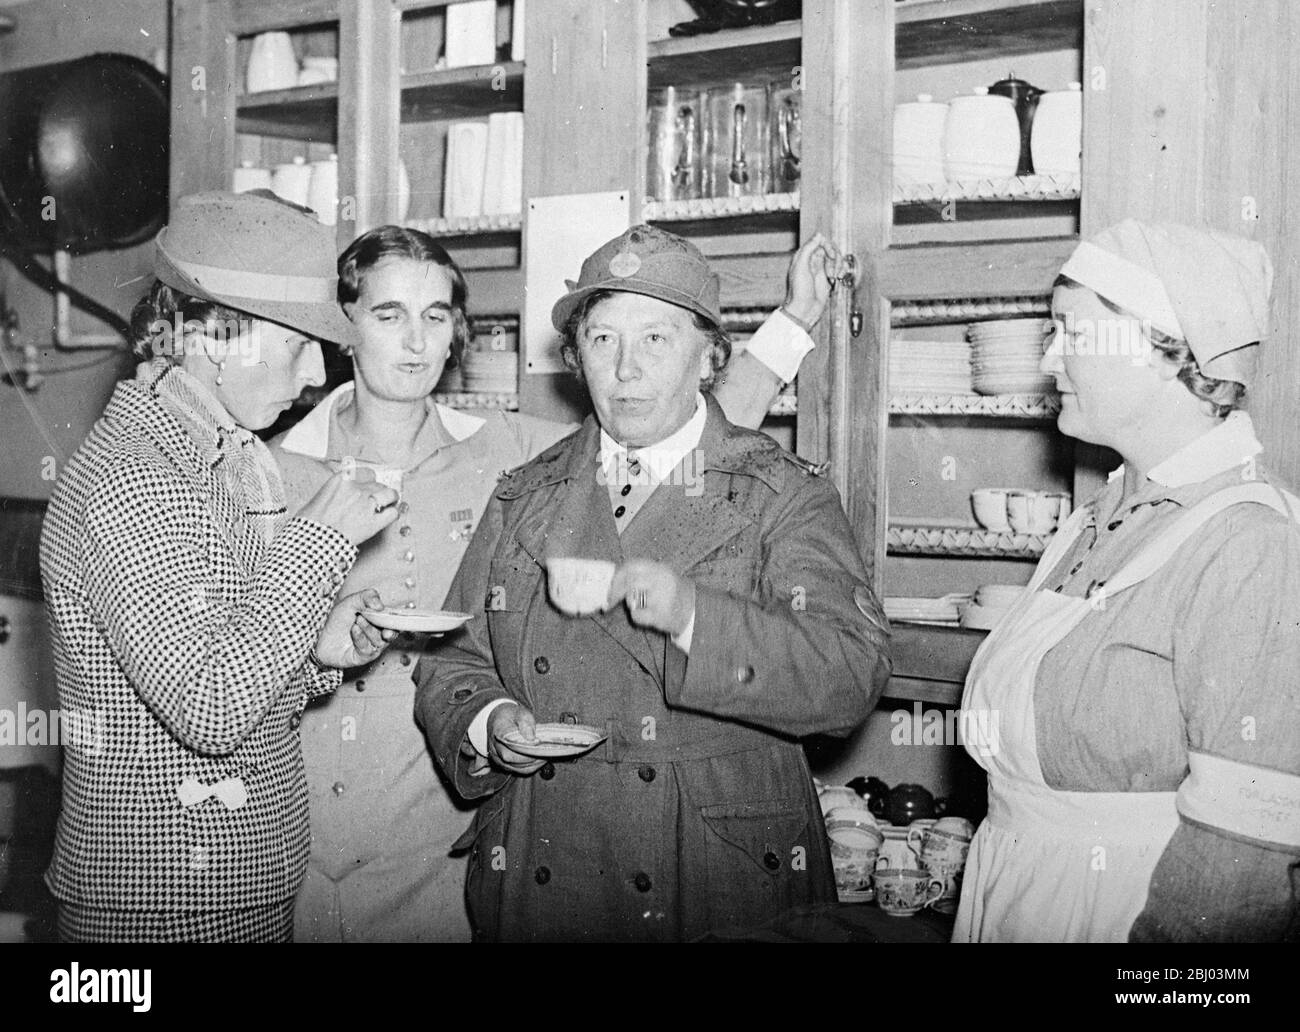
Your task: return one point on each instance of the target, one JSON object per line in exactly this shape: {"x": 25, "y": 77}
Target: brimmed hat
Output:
{"x": 648, "y": 261}
{"x": 256, "y": 253}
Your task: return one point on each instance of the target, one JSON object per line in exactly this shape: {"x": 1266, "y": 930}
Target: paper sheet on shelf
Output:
{"x": 562, "y": 231}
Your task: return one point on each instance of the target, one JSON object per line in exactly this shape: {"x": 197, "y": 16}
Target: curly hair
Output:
{"x": 1223, "y": 396}
{"x": 373, "y": 247}
{"x": 718, "y": 338}
{"x": 159, "y": 319}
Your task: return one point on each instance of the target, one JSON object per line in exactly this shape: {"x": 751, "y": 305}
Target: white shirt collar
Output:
{"x": 663, "y": 457}
{"x": 310, "y": 435}
{"x": 1229, "y": 444}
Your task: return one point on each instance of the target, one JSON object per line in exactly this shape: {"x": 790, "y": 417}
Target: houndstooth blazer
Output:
{"x": 180, "y": 643}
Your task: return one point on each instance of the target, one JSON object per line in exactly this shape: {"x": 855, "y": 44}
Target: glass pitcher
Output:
{"x": 736, "y": 141}
{"x": 675, "y": 168}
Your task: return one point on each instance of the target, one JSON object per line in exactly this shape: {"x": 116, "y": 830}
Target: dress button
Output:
{"x": 361, "y": 684}
{"x": 409, "y": 582}
{"x": 627, "y": 489}
{"x": 642, "y": 882}
{"x": 339, "y": 787}
{"x": 409, "y": 556}
{"x": 618, "y": 513}
{"x": 405, "y": 659}
{"x": 547, "y": 772}
{"x": 744, "y": 674}
{"x": 295, "y": 721}
{"x": 542, "y": 875}
{"x": 410, "y": 605}
{"x": 568, "y": 718}
{"x": 336, "y": 577}
{"x": 542, "y": 665}
{"x": 325, "y": 588}
{"x": 771, "y": 861}
{"x": 646, "y": 773}
{"x": 404, "y": 508}
{"x": 404, "y": 531}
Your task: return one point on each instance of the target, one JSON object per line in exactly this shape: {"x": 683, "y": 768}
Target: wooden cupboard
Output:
{"x": 1189, "y": 114}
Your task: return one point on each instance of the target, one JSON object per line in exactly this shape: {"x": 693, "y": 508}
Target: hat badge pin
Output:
{"x": 624, "y": 264}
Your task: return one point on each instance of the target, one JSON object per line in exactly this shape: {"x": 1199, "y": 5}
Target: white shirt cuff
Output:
{"x": 478, "y": 728}
{"x": 781, "y": 345}
{"x": 683, "y": 640}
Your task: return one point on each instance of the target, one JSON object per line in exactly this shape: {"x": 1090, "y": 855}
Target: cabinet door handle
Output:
{"x": 849, "y": 279}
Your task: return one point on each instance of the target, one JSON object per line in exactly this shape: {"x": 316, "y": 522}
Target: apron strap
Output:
{"x": 1155, "y": 555}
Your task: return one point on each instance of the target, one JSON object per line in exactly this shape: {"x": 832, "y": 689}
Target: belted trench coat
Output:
{"x": 698, "y": 811}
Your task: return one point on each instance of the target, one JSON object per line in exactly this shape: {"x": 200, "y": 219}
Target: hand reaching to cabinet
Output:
{"x": 814, "y": 270}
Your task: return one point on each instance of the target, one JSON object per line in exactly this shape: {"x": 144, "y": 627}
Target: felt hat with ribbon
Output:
{"x": 1208, "y": 288}
{"x": 649, "y": 261}
{"x": 258, "y": 254}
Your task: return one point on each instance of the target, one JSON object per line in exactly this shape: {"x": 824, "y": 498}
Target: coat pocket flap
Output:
{"x": 766, "y": 832}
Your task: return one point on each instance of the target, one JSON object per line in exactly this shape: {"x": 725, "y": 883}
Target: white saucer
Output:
{"x": 425, "y": 621}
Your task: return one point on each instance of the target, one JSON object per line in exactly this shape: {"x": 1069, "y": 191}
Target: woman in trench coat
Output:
{"x": 697, "y": 812}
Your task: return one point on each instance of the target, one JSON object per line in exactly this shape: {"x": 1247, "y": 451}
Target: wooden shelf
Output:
{"x": 967, "y": 310}
{"x": 707, "y": 209}
{"x": 505, "y": 400}
{"x": 974, "y": 542}
{"x": 1002, "y": 190}
{"x": 302, "y": 113}
{"x": 722, "y": 58}
{"x": 463, "y": 92}
{"x": 1000, "y": 406}
{"x": 254, "y": 16}
{"x": 479, "y": 225}
{"x": 929, "y": 32}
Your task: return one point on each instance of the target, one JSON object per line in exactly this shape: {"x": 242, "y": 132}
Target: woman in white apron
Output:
{"x": 382, "y": 821}
{"x": 1141, "y": 698}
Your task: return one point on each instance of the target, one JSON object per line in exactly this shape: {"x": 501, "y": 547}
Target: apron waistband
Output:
{"x": 1025, "y": 808}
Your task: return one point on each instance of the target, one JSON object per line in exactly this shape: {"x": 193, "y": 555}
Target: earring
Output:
{"x": 221, "y": 368}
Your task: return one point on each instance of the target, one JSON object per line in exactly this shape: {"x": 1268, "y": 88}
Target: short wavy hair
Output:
{"x": 718, "y": 338}
{"x": 1223, "y": 396}
{"x": 156, "y": 316}
{"x": 376, "y": 245}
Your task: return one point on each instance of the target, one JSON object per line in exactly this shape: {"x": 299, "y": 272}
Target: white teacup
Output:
{"x": 579, "y": 586}
{"x": 1032, "y": 512}
{"x": 990, "y": 505}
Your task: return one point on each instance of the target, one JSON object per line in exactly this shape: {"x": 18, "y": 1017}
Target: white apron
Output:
{"x": 1047, "y": 865}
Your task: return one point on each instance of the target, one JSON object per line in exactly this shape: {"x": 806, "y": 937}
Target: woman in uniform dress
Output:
{"x": 383, "y": 821}
{"x": 1143, "y": 779}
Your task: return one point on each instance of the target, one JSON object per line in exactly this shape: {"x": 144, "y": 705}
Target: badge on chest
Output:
{"x": 462, "y": 524}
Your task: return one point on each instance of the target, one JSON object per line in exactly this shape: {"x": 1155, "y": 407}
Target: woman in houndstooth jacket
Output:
{"x": 192, "y": 618}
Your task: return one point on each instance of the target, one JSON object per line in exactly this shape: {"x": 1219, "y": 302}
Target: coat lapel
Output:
{"x": 687, "y": 519}
{"x": 579, "y": 522}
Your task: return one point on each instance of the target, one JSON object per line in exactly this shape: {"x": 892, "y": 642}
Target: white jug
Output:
{"x": 292, "y": 182}
{"x": 323, "y": 193}
{"x": 981, "y": 137}
{"x": 272, "y": 63}
{"x": 918, "y": 141}
{"x": 1057, "y": 138}
{"x": 249, "y": 177}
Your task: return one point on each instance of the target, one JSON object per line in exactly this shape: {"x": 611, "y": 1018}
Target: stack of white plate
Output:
{"x": 491, "y": 372}
{"x": 1005, "y": 355}
{"x": 989, "y": 605}
{"x": 929, "y": 367}
{"x": 944, "y": 611}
